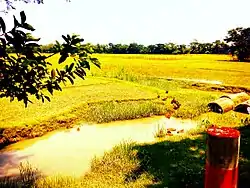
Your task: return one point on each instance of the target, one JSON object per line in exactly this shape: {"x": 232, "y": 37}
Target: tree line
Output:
{"x": 195, "y": 47}
{"x": 236, "y": 43}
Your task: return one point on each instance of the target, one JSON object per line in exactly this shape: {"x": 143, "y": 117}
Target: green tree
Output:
{"x": 29, "y": 72}
{"x": 239, "y": 39}
{"x": 194, "y": 47}
{"x": 134, "y": 48}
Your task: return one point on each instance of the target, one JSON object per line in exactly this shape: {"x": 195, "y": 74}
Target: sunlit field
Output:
{"x": 208, "y": 67}
{"x": 143, "y": 69}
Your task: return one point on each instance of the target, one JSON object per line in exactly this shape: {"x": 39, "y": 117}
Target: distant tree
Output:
{"x": 239, "y": 39}
{"x": 183, "y": 49}
{"x": 100, "y": 48}
{"x": 135, "y": 48}
{"x": 220, "y": 47}
{"x": 194, "y": 47}
{"x": 151, "y": 49}
{"x": 172, "y": 48}
{"x": 120, "y": 49}
{"x": 29, "y": 72}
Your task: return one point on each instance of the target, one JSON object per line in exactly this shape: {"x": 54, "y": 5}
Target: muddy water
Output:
{"x": 70, "y": 152}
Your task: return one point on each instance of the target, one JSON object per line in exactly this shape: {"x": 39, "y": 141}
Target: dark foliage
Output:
{"x": 240, "y": 43}
{"x": 28, "y": 72}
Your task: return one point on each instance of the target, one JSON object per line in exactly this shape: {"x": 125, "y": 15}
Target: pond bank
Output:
{"x": 70, "y": 152}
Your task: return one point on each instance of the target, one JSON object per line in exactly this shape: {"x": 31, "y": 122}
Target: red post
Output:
{"x": 222, "y": 158}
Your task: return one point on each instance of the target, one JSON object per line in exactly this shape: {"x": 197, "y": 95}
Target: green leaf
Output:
{"x": 66, "y": 68}
{"x": 16, "y": 23}
{"x": 71, "y": 67}
{"x": 42, "y": 99}
{"x": 32, "y": 90}
{"x": 85, "y": 64}
{"x": 79, "y": 74}
{"x": 38, "y": 96}
{"x": 83, "y": 54}
{"x": 21, "y": 33}
{"x": 57, "y": 46}
{"x": 72, "y": 75}
{"x": 96, "y": 62}
{"x": 68, "y": 36}
{"x": 23, "y": 17}
{"x": 63, "y": 58}
{"x": 9, "y": 39}
{"x": 58, "y": 72}
{"x": 70, "y": 79}
{"x": 77, "y": 40}
{"x": 65, "y": 38}
{"x": 46, "y": 97}
{"x": 28, "y": 27}
{"x": 62, "y": 73}
{"x": 57, "y": 86}
{"x": 82, "y": 71}
{"x": 2, "y": 24}
{"x": 50, "y": 89}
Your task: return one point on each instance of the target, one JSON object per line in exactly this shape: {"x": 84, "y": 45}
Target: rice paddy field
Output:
{"x": 202, "y": 67}
{"x": 129, "y": 87}
{"x": 133, "y": 77}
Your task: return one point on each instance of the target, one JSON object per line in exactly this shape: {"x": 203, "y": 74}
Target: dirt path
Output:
{"x": 70, "y": 152}
{"x": 198, "y": 80}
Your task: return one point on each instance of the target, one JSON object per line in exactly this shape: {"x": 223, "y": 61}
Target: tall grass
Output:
{"x": 112, "y": 111}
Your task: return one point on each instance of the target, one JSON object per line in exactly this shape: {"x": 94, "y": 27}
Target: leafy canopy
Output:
{"x": 240, "y": 42}
{"x": 28, "y": 72}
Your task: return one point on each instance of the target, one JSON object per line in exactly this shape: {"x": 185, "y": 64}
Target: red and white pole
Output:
{"x": 222, "y": 158}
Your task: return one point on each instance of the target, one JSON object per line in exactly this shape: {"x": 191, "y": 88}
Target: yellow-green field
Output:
{"x": 116, "y": 92}
{"x": 91, "y": 90}
{"x": 144, "y": 71}
{"x": 209, "y": 67}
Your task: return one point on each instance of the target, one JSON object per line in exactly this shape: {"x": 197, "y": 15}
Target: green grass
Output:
{"x": 112, "y": 111}
{"x": 91, "y": 90}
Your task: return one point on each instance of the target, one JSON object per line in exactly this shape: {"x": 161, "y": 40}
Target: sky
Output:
{"x": 141, "y": 21}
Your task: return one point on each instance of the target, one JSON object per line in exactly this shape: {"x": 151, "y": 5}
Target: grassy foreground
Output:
{"x": 175, "y": 162}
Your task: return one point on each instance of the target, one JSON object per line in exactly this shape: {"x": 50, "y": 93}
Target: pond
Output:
{"x": 69, "y": 152}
